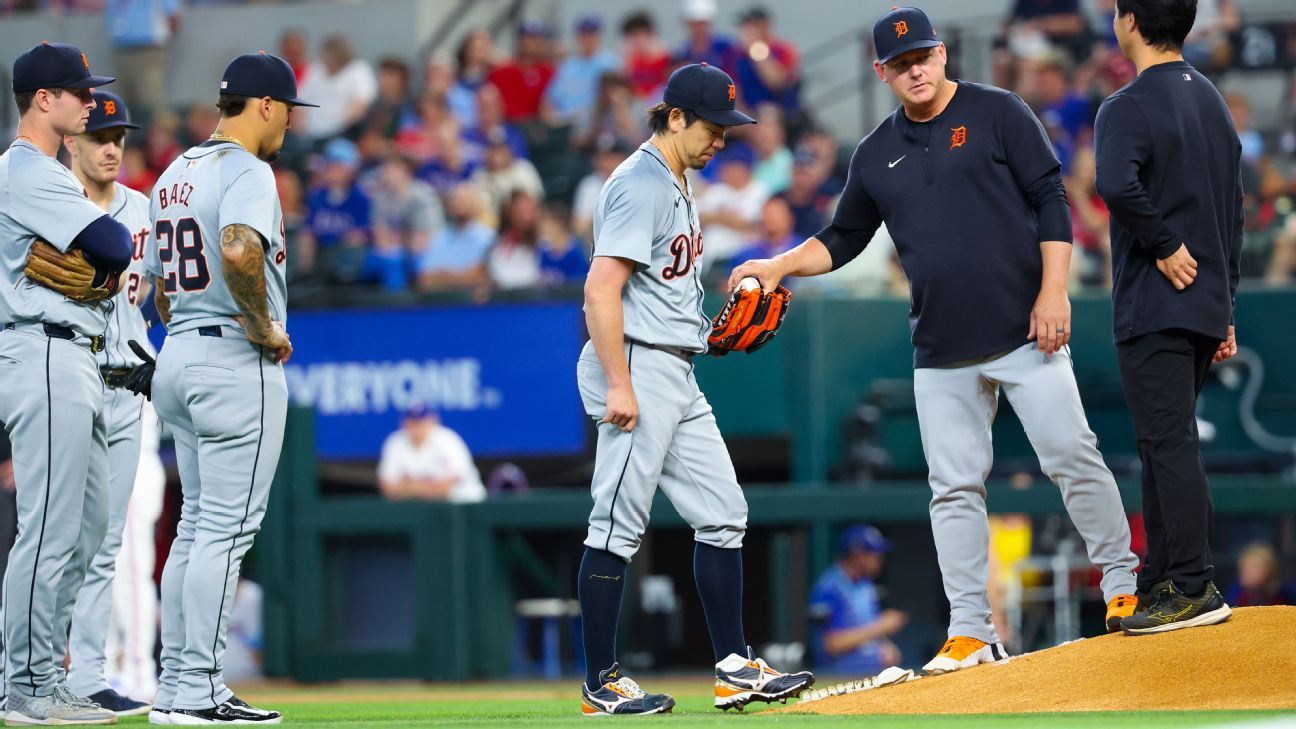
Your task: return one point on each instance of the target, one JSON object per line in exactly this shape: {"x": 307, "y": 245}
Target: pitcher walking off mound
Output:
{"x": 643, "y": 306}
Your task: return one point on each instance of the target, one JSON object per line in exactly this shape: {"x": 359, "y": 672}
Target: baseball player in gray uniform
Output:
{"x": 643, "y": 307}
{"x": 52, "y": 401}
{"x": 217, "y": 252}
{"x": 95, "y": 160}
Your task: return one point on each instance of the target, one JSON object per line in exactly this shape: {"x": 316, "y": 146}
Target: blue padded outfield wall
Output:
{"x": 503, "y": 377}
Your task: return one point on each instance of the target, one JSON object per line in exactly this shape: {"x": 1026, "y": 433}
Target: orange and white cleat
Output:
{"x": 742, "y": 680}
{"x": 964, "y": 652}
{"x": 618, "y": 695}
{"x": 1121, "y": 606}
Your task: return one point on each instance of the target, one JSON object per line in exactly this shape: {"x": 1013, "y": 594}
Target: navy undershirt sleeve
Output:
{"x": 1123, "y": 145}
{"x": 856, "y": 220}
{"x": 106, "y": 243}
{"x": 1047, "y": 197}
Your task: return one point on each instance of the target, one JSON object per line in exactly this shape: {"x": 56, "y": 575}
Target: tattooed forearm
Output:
{"x": 243, "y": 255}
{"x": 161, "y": 301}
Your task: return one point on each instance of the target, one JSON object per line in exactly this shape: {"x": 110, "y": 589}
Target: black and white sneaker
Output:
{"x": 233, "y": 711}
{"x": 159, "y": 717}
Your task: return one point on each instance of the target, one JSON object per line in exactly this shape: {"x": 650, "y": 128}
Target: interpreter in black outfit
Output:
{"x": 971, "y": 192}
{"x": 1169, "y": 170}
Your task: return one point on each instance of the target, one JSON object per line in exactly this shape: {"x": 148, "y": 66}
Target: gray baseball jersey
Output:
{"x": 125, "y": 322}
{"x": 40, "y": 198}
{"x": 209, "y": 187}
{"x": 644, "y": 216}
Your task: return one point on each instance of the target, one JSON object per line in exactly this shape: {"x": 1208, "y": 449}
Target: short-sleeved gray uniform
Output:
{"x": 224, "y": 398}
{"x": 52, "y": 404}
{"x": 645, "y": 217}
{"x": 122, "y": 408}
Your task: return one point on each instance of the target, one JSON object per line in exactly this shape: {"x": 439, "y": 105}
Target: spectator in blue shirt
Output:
{"x": 563, "y": 258}
{"x": 777, "y": 233}
{"x": 141, "y": 32}
{"x": 852, "y": 631}
{"x": 703, "y": 44}
{"x": 456, "y": 259}
{"x": 573, "y": 90}
{"x": 336, "y": 234}
{"x": 490, "y": 126}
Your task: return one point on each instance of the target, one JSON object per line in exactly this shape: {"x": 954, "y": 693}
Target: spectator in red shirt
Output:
{"x": 524, "y": 79}
{"x": 648, "y": 62}
{"x": 769, "y": 68}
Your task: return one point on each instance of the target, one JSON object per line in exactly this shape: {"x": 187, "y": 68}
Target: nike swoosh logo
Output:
{"x": 893, "y": 164}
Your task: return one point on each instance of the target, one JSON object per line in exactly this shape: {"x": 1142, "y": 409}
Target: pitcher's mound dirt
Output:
{"x": 1248, "y": 662}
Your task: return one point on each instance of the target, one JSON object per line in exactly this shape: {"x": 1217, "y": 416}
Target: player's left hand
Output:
{"x": 1050, "y": 323}
{"x": 140, "y": 380}
{"x": 1179, "y": 267}
{"x": 1227, "y": 348}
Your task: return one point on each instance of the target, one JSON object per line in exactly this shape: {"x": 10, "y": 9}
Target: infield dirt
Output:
{"x": 1248, "y": 662}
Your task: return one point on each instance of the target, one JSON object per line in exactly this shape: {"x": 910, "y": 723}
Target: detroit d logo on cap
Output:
{"x": 902, "y": 28}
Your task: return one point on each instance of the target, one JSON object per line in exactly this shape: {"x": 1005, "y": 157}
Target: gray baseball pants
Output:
{"x": 93, "y": 611}
{"x": 52, "y": 404}
{"x": 675, "y": 444}
{"x": 956, "y": 407}
{"x": 226, "y": 404}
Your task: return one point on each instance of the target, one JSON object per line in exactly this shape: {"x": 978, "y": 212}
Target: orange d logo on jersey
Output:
{"x": 733, "y": 92}
{"x": 110, "y": 108}
{"x": 902, "y": 28}
{"x": 958, "y": 138}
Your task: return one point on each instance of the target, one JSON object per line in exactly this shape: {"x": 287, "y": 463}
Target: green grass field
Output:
{"x": 557, "y": 705}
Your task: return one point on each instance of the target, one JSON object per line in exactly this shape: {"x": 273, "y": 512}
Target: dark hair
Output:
{"x": 659, "y": 117}
{"x": 1163, "y": 23}
{"x": 231, "y": 105}
{"x": 392, "y": 63}
{"x": 636, "y": 21}
{"x": 25, "y": 99}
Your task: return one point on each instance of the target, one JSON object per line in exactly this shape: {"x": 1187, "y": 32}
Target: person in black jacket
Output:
{"x": 1169, "y": 171}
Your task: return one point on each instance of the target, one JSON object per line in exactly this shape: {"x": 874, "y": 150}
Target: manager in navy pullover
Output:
{"x": 967, "y": 183}
{"x": 1169, "y": 171}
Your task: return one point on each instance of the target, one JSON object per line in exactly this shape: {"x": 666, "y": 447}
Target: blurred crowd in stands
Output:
{"x": 479, "y": 171}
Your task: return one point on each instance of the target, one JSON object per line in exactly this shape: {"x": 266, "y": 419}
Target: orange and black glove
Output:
{"x": 748, "y": 321}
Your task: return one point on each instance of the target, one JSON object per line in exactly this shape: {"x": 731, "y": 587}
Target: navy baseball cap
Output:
{"x": 863, "y": 538}
{"x": 109, "y": 112}
{"x": 902, "y": 30}
{"x": 259, "y": 75}
{"x": 589, "y": 24}
{"x": 706, "y": 91}
{"x": 54, "y": 66}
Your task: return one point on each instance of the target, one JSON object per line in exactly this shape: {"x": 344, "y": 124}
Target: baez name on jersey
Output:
{"x": 178, "y": 194}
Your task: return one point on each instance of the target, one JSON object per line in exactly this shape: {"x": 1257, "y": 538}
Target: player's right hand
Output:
{"x": 276, "y": 339}
{"x": 764, "y": 270}
{"x": 622, "y": 408}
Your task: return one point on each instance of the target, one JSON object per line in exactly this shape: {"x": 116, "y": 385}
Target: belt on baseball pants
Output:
{"x": 58, "y": 331}
{"x": 115, "y": 377}
{"x": 680, "y": 352}
{"x": 211, "y": 331}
